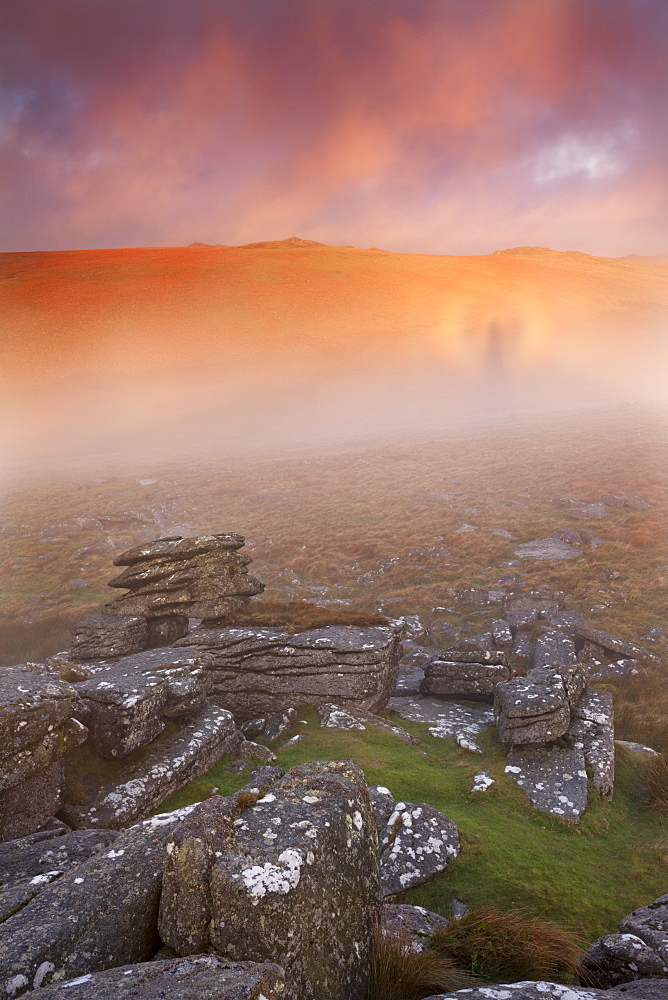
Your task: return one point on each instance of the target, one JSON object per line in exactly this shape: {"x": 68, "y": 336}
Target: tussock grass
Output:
{"x": 508, "y": 946}
{"x": 641, "y": 707}
{"x": 656, "y": 783}
{"x": 296, "y": 616}
{"x": 400, "y": 973}
{"x": 21, "y": 641}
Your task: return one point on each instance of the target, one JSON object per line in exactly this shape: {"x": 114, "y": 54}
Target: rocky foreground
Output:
{"x": 274, "y": 891}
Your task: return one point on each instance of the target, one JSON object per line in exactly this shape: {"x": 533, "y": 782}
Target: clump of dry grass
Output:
{"x": 21, "y": 641}
{"x": 508, "y": 946}
{"x": 656, "y": 783}
{"x": 641, "y": 708}
{"x": 398, "y": 972}
{"x": 295, "y": 616}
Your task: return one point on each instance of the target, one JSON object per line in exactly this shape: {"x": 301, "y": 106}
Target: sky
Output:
{"x": 427, "y": 126}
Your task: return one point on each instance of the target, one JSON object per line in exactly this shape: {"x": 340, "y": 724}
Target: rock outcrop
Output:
{"x": 538, "y": 990}
{"x": 415, "y": 841}
{"x": 197, "y": 977}
{"x": 37, "y": 729}
{"x": 29, "y": 864}
{"x": 640, "y": 948}
{"x": 126, "y": 700}
{"x": 199, "y": 577}
{"x": 100, "y": 914}
{"x": 259, "y": 671}
{"x": 532, "y": 709}
{"x": 162, "y": 768}
{"x": 290, "y": 875}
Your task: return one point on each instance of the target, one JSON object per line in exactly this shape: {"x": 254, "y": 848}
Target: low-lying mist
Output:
{"x": 131, "y": 356}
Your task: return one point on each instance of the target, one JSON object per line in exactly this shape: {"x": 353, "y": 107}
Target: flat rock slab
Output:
{"x": 259, "y": 671}
{"x": 618, "y": 671}
{"x": 547, "y": 550}
{"x": 412, "y": 923}
{"x": 32, "y": 856}
{"x": 334, "y": 717}
{"x": 445, "y": 718}
{"x": 28, "y": 866}
{"x": 166, "y": 766}
{"x": 644, "y": 989}
{"x": 637, "y": 747}
{"x": 554, "y": 778}
{"x": 613, "y": 643}
{"x": 197, "y": 977}
{"x": 100, "y": 914}
{"x": 527, "y": 991}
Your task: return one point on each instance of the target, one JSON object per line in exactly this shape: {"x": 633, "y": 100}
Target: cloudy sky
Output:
{"x": 440, "y": 126}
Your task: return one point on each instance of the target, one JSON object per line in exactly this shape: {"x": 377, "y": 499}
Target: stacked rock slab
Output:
{"x": 290, "y": 876}
{"x": 535, "y": 708}
{"x": 465, "y": 674}
{"x": 37, "y": 729}
{"x": 259, "y": 671}
{"x": 200, "y": 577}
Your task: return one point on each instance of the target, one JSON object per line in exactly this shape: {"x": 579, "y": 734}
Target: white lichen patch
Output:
{"x": 261, "y": 879}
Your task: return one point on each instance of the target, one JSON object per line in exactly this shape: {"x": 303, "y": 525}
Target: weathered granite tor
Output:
{"x": 463, "y": 674}
{"x": 200, "y": 577}
{"x": 290, "y": 876}
{"x": 197, "y": 977}
{"x": 639, "y": 949}
{"x": 259, "y": 671}
{"x": 37, "y": 729}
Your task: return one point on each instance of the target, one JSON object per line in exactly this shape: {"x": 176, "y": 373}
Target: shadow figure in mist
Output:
{"x": 497, "y": 366}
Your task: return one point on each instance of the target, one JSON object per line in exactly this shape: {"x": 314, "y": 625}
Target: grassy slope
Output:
{"x": 585, "y": 877}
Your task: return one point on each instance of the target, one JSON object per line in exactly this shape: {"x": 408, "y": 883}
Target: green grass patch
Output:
{"x": 584, "y": 877}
